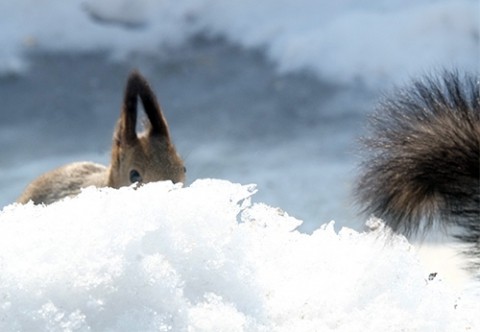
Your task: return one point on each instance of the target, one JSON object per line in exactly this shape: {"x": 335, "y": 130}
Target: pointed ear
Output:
{"x": 158, "y": 124}
{"x": 126, "y": 129}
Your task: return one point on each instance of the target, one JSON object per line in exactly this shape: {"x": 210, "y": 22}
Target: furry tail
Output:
{"x": 423, "y": 157}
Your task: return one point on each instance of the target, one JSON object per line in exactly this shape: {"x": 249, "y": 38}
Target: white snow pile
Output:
{"x": 374, "y": 41}
{"x": 205, "y": 258}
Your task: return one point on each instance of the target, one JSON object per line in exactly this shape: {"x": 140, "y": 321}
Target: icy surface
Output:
{"x": 205, "y": 258}
{"x": 374, "y": 42}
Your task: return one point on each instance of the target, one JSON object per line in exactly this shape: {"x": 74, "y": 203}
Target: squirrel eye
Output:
{"x": 184, "y": 169}
{"x": 135, "y": 176}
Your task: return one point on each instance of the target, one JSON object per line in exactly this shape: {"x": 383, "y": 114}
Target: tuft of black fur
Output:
{"x": 422, "y": 162}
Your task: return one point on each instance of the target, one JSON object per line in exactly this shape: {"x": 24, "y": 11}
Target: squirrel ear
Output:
{"x": 126, "y": 129}
{"x": 158, "y": 124}
{"x": 137, "y": 85}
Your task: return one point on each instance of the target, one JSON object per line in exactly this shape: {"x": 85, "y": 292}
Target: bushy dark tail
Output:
{"x": 423, "y": 157}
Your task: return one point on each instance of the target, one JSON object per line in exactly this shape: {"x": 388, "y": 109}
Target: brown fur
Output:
{"x": 148, "y": 157}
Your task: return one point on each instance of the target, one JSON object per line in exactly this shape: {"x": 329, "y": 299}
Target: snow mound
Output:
{"x": 205, "y": 258}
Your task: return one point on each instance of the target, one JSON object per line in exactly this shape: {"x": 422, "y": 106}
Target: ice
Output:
{"x": 208, "y": 258}
{"x": 375, "y": 43}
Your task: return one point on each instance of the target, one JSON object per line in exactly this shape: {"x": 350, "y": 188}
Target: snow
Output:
{"x": 375, "y": 43}
{"x": 208, "y": 258}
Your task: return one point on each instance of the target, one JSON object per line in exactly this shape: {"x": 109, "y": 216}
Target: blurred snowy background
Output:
{"x": 271, "y": 92}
